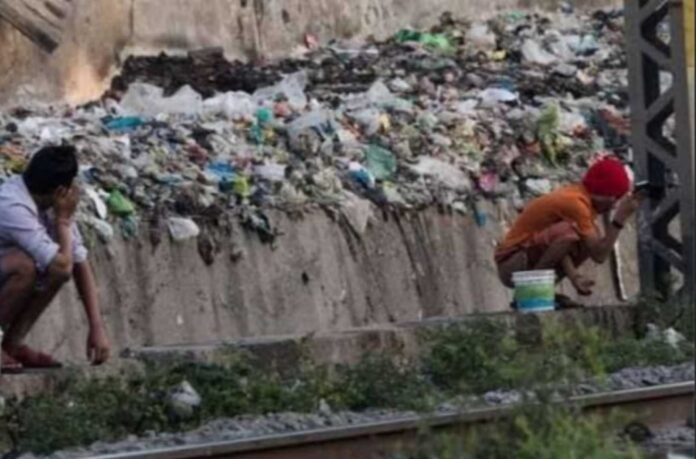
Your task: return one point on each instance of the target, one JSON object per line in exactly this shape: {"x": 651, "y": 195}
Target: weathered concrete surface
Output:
{"x": 401, "y": 339}
{"x": 77, "y": 70}
{"x": 321, "y": 278}
{"x": 103, "y": 30}
{"x": 286, "y": 352}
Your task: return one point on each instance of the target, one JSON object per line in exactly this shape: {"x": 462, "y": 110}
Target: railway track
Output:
{"x": 659, "y": 406}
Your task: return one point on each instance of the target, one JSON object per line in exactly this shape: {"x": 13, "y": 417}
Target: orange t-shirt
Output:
{"x": 571, "y": 203}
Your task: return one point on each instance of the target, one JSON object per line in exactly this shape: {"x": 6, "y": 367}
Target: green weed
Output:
{"x": 481, "y": 355}
{"x": 539, "y": 432}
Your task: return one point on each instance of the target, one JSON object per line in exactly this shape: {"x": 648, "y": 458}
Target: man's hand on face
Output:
{"x": 627, "y": 207}
{"x": 65, "y": 201}
{"x": 98, "y": 346}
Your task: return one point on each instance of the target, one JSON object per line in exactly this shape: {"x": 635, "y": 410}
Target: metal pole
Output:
{"x": 685, "y": 148}
{"x": 668, "y": 163}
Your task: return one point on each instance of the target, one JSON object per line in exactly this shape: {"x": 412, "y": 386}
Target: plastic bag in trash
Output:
{"x": 119, "y": 204}
{"x": 319, "y": 122}
{"x": 547, "y": 132}
{"x": 241, "y": 186}
{"x": 380, "y": 162}
{"x": 361, "y": 175}
{"x": 272, "y": 172}
{"x": 445, "y": 173}
{"x": 234, "y": 105}
{"x": 368, "y": 118}
{"x": 436, "y": 41}
{"x": 378, "y": 96}
{"x": 292, "y": 87}
{"x": 533, "y": 52}
{"x": 357, "y": 211}
{"x": 99, "y": 205}
{"x": 586, "y": 45}
{"x": 182, "y": 228}
{"x": 481, "y": 37}
{"x": 124, "y": 123}
{"x": 147, "y": 100}
{"x": 492, "y": 96}
{"x": 104, "y": 230}
{"x": 183, "y": 400}
{"x": 221, "y": 172}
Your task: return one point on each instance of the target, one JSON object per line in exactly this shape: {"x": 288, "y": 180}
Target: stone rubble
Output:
{"x": 251, "y": 426}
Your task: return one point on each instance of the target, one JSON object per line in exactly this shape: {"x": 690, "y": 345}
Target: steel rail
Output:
{"x": 658, "y": 406}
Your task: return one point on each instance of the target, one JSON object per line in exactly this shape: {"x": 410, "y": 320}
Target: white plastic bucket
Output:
{"x": 535, "y": 291}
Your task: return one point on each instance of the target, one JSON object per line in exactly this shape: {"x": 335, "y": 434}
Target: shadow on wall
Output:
{"x": 78, "y": 70}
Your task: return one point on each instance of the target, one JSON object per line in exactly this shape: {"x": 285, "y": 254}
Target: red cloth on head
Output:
{"x": 607, "y": 177}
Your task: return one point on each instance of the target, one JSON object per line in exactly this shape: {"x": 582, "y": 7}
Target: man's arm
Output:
{"x": 62, "y": 264}
{"x": 97, "y": 343}
{"x": 65, "y": 203}
{"x": 600, "y": 247}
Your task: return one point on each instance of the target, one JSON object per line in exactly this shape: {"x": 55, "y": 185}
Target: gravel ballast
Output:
{"x": 245, "y": 427}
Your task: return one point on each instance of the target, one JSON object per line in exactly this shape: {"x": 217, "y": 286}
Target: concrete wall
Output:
{"x": 320, "y": 278}
{"x": 102, "y": 30}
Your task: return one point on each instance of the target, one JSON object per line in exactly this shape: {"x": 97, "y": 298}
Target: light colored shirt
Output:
{"x": 24, "y": 226}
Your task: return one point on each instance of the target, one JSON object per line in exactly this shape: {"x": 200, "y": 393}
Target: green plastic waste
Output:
{"x": 514, "y": 16}
{"x": 256, "y": 134}
{"x": 241, "y": 187}
{"x": 264, "y": 116}
{"x": 547, "y": 132}
{"x": 129, "y": 227}
{"x": 380, "y": 162}
{"x": 119, "y": 204}
{"x": 404, "y": 35}
{"x": 436, "y": 41}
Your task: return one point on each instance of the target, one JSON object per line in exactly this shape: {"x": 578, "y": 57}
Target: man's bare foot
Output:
{"x": 564, "y": 302}
{"x": 30, "y": 358}
{"x": 583, "y": 285}
{"x": 10, "y": 365}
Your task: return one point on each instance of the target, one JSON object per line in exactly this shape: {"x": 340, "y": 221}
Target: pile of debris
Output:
{"x": 503, "y": 109}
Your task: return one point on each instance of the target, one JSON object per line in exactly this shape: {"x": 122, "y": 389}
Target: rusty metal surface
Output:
{"x": 656, "y": 406}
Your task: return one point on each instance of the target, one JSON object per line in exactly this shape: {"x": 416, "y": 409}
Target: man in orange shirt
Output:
{"x": 559, "y": 231}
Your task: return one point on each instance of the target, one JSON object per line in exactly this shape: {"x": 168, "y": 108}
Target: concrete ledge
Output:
{"x": 348, "y": 346}
{"x": 34, "y": 382}
{"x": 286, "y": 351}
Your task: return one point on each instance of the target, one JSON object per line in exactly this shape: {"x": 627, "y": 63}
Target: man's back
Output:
{"x": 571, "y": 203}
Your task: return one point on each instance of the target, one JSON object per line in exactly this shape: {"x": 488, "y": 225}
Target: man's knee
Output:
{"x": 506, "y": 268}
{"x": 58, "y": 279}
{"x": 563, "y": 233}
{"x": 20, "y": 266}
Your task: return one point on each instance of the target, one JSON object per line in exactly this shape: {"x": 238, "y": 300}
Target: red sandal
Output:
{"x": 9, "y": 365}
{"x": 30, "y": 358}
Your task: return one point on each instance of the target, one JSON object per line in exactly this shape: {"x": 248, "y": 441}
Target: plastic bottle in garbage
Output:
{"x": 124, "y": 123}
{"x": 361, "y": 175}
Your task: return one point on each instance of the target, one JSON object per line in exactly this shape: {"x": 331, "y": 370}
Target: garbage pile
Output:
{"x": 504, "y": 110}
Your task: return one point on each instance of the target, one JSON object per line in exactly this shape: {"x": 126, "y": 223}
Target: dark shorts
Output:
{"x": 538, "y": 244}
